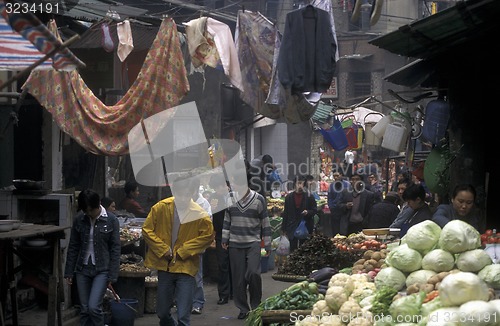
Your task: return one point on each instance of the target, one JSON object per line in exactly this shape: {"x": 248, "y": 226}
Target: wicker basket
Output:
{"x": 150, "y": 300}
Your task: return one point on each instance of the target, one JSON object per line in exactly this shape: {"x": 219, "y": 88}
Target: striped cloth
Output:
{"x": 33, "y": 30}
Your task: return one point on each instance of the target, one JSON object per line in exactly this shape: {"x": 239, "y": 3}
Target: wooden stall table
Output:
{"x": 282, "y": 316}
{"x": 52, "y": 233}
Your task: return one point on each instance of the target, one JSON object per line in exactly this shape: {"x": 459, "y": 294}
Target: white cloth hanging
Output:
{"x": 125, "y": 40}
{"x": 227, "y": 51}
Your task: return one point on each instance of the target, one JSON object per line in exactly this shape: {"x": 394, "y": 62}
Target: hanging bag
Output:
{"x": 301, "y": 232}
{"x": 370, "y": 138}
{"x": 335, "y": 136}
{"x": 437, "y": 114}
{"x": 354, "y": 132}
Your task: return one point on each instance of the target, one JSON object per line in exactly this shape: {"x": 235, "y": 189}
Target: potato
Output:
{"x": 368, "y": 254}
{"x": 436, "y": 286}
{"x": 372, "y": 262}
{"x": 377, "y": 255}
{"x": 368, "y": 267}
{"x": 427, "y": 288}
{"x": 380, "y": 263}
{"x": 433, "y": 279}
{"x": 414, "y": 288}
{"x": 443, "y": 275}
{"x": 359, "y": 262}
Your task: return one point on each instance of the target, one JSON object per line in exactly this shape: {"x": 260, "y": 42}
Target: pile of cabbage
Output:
{"x": 464, "y": 294}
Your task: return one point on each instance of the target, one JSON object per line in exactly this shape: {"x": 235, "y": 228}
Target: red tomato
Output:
{"x": 356, "y": 245}
{"x": 484, "y": 237}
{"x": 489, "y": 232}
{"x": 363, "y": 248}
{"x": 383, "y": 246}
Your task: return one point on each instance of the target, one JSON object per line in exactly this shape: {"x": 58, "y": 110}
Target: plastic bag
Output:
{"x": 283, "y": 246}
{"x": 301, "y": 232}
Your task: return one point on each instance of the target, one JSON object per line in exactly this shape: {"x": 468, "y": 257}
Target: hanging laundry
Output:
{"x": 326, "y": 5}
{"x": 227, "y": 51}
{"x": 125, "y": 40}
{"x": 255, "y": 39}
{"x": 107, "y": 41}
{"x": 100, "y": 129}
{"x": 201, "y": 43}
{"x": 307, "y": 54}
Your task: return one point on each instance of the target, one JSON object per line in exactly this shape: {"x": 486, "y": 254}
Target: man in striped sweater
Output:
{"x": 246, "y": 225}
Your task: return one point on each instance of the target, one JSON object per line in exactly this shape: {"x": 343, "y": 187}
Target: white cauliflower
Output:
{"x": 360, "y": 321}
{"x": 359, "y": 278}
{"x": 308, "y": 321}
{"x": 343, "y": 280}
{"x": 335, "y": 297}
{"x": 362, "y": 292}
{"x": 349, "y": 310}
{"x": 331, "y": 320}
{"x": 320, "y": 308}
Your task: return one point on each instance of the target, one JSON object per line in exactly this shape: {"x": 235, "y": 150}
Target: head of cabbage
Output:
{"x": 391, "y": 277}
{"x": 473, "y": 260}
{"x": 458, "y": 288}
{"x": 438, "y": 260}
{"x": 458, "y": 236}
{"x": 423, "y": 236}
{"x": 405, "y": 259}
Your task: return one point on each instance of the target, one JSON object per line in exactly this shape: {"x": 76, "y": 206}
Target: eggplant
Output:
{"x": 322, "y": 274}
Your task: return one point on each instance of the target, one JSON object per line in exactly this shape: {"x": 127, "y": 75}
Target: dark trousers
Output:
{"x": 224, "y": 286}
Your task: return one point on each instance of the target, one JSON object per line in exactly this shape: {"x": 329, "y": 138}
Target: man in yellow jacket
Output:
{"x": 176, "y": 231}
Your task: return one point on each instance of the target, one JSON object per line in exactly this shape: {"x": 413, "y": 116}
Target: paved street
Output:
{"x": 212, "y": 314}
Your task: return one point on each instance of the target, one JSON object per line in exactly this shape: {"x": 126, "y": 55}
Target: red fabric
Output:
{"x": 132, "y": 206}
{"x": 298, "y": 199}
{"x": 100, "y": 129}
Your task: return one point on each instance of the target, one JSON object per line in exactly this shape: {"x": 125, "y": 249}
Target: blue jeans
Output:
{"x": 198, "y": 293}
{"x": 178, "y": 285}
{"x": 91, "y": 289}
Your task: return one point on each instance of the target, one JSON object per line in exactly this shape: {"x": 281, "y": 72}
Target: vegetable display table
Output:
{"x": 131, "y": 285}
{"x": 283, "y": 316}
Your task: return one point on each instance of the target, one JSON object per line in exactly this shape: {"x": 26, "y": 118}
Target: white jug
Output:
{"x": 379, "y": 128}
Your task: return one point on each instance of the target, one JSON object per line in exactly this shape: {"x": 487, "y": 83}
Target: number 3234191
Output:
{"x": 33, "y": 8}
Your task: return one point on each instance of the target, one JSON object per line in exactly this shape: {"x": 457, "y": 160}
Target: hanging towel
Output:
{"x": 100, "y": 129}
{"x": 227, "y": 51}
{"x": 107, "y": 40}
{"x": 201, "y": 43}
{"x": 125, "y": 40}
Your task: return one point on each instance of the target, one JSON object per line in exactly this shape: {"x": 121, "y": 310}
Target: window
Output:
{"x": 362, "y": 84}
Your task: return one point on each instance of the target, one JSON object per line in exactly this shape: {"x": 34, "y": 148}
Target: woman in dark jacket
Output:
{"x": 418, "y": 212}
{"x": 93, "y": 257}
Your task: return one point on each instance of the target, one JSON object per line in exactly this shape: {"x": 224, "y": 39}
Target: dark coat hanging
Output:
{"x": 306, "y": 60}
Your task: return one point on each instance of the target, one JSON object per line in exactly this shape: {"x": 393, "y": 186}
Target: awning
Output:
{"x": 16, "y": 54}
{"x": 438, "y": 33}
{"x": 418, "y": 73}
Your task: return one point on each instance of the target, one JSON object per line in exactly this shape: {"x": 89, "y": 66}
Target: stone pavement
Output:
{"x": 212, "y": 314}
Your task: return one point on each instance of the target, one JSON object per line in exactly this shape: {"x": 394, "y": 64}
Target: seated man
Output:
{"x": 129, "y": 203}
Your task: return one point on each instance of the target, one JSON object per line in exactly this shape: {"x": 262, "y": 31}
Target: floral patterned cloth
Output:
{"x": 100, "y": 129}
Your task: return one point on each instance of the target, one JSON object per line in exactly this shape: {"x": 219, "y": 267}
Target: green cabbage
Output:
{"x": 419, "y": 277}
{"x": 458, "y": 288}
{"x": 423, "y": 236}
{"x": 473, "y": 260}
{"x": 478, "y": 313}
{"x": 458, "y": 236}
{"x": 407, "y": 308}
{"x": 491, "y": 275}
{"x": 391, "y": 277}
{"x": 438, "y": 260}
{"x": 431, "y": 306}
{"x": 405, "y": 259}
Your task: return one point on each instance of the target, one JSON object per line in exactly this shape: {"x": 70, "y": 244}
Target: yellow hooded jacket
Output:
{"x": 192, "y": 240}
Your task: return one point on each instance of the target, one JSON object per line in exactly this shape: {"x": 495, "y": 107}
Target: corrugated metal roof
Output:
{"x": 95, "y": 10}
{"x": 436, "y": 34}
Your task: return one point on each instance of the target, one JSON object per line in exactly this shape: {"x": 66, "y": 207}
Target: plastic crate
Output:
{"x": 150, "y": 299}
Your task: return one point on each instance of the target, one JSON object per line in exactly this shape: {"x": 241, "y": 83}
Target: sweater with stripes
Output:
{"x": 247, "y": 222}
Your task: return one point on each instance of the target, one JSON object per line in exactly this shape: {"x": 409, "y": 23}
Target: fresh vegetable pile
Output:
{"x": 315, "y": 253}
{"x": 300, "y": 296}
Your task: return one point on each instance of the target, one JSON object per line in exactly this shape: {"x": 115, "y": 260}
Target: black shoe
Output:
{"x": 222, "y": 301}
{"x": 243, "y": 315}
{"x": 196, "y": 311}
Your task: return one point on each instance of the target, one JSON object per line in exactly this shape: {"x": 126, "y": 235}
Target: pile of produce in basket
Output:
{"x": 315, "y": 253}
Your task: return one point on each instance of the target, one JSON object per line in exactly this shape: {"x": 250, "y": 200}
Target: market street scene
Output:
{"x": 248, "y": 162}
